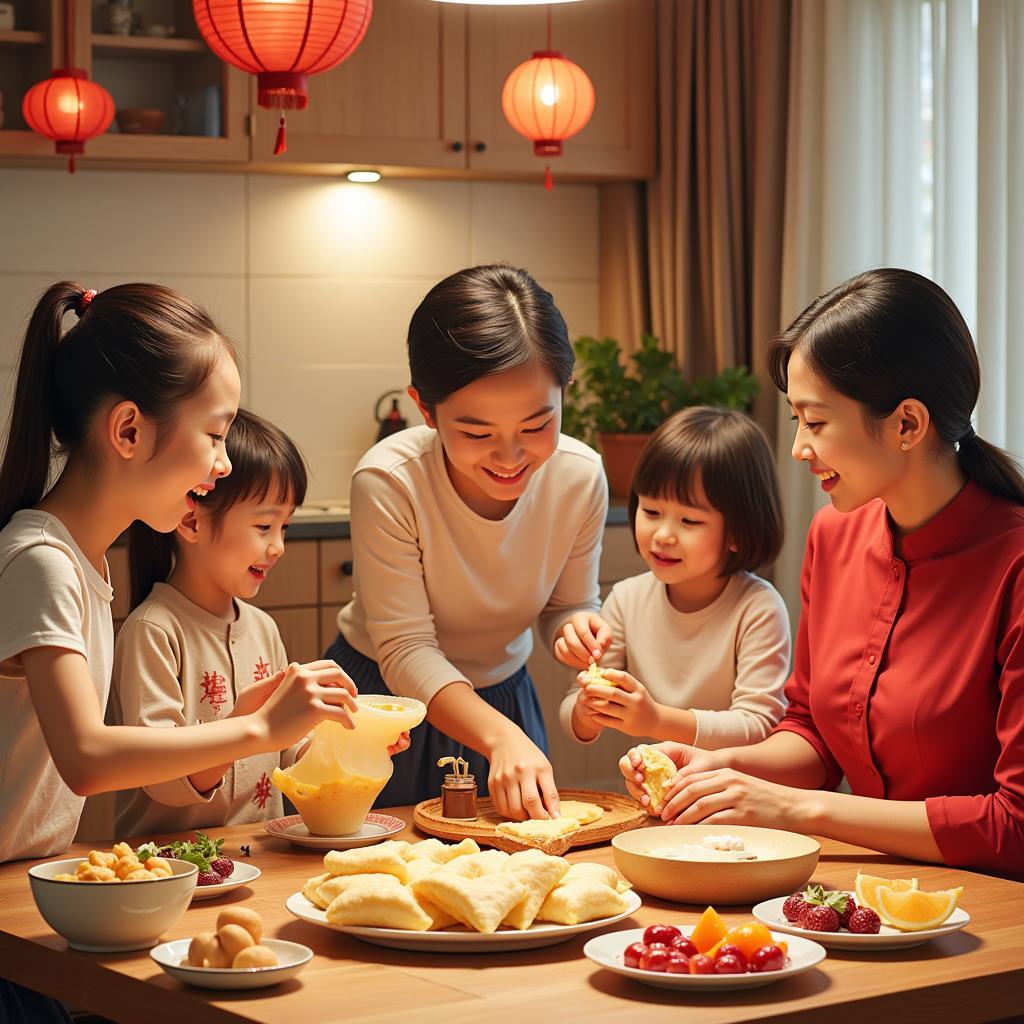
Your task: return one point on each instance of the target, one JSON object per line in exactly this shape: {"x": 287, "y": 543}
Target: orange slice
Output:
{"x": 709, "y": 931}
{"x": 750, "y": 937}
{"x": 916, "y": 911}
{"x": 865, "y": 888}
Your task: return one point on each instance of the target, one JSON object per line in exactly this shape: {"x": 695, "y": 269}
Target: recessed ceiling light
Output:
{"x": 364, "y": 177}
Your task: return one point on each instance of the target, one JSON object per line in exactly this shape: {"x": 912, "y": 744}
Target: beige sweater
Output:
{"x": 728, "y": 662}
{"x": 176, "y": 664}
{"x": 442, "y": 594}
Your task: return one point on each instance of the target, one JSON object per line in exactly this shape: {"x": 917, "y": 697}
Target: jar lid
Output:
{"x": 464, "y": 781}
{"x": 460, "y": 764}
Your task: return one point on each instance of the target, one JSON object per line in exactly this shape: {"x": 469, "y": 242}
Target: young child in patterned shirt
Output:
{"x": 192, "y": 651}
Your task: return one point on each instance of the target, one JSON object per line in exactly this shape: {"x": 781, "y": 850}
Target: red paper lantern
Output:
{"x": 282, "y": 42}
{"x": 548, "y": 99}
{"x": 67, "y": 107}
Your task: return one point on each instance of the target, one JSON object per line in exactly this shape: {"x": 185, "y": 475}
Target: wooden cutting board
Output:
{"x": 621, "y": 814}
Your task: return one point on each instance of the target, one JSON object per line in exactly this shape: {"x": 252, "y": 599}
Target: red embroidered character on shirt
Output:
{"x": 261, "y": 671}
{"x": 214, "y": 690}
{"x": 262, "y": 794}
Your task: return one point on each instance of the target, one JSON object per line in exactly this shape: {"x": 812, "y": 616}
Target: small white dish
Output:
{"x": 606, "y": 951}
{"x": 770, "y": 913}
{"x": 292, "y": 957}
{"x": 242, "y": 875}
{"x": 376, "y": 828}
{"x": 460, "y": 939}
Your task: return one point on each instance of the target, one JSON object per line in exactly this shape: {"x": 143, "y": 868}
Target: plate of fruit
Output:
{"x": 879, "y": 913}
{"x": 218, "y": 874}
{"x": 707, "y": 955}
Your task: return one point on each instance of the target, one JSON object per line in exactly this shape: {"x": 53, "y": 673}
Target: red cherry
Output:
{"x": 632, "y": 954}
{"x": 702, "y": 964}
{"x": 767, "y": 958}
{"x": 678, "y": 963}
{"x": 655, "y": 959}
{"x": 729, "y": 964}
{"x": 664, "y": 933}
{"x": 728, "y": 949}
{"x": 685, "y": 945}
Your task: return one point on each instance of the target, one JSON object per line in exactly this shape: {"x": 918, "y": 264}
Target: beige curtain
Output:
{"x": 714, "y": 213}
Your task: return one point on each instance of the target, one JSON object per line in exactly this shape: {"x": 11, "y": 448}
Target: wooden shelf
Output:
{"x": 18, "y": 39}
{"x": 109, "y": 45}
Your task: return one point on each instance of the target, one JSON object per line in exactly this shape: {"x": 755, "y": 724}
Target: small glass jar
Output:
{"x": 458, "y": 797}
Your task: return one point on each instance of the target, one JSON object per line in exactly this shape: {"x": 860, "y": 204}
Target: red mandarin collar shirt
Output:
{"x": 908, "y": 673}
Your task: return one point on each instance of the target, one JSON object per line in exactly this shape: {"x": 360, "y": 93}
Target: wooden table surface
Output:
{"x": 973, "y": 975}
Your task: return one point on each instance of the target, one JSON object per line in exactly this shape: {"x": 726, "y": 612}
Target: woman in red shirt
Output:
{"x": 908, "y": 674}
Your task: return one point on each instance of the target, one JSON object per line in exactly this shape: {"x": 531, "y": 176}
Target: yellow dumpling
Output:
{"x": 382, "y": 903}
{"x": 330, "y": 890}
{"x": 579, "y": 901}
{"x": 659, "y": 773}
{"x": 539, "y": 874}
{"x": 312, "y": 887}
{"x": 380, "y": 859}
{"x": 604, "y": 874}
{"x": 584, "y": 813}
{"x": 479, "y": 903}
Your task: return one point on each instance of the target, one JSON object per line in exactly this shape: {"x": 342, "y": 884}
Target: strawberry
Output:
{"x": 864, "y": 921}
{"x": 844, "y": 915}
{"x": 223, "y": 866}
{"x": 209, "y": 878}
{"x": 794, "y": 907}
{"x": 819, "y": 919}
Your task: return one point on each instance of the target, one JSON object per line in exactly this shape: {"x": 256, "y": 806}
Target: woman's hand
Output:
{"x": 402, "y": 743}
{"x": 521, "y": 781}
{"x": 583, "y": 639}
{"x": 624, "y": 704}
{"x": 307, "y": 694}
{"x": 724, "y": 796}
{"x": 631, "y": 765}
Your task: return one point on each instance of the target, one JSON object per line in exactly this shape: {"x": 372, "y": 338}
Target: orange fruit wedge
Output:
{"x": 749, "y": 937}
{"x": 916, "y": 911}
{"x": 710, "y": 930}
{"x": 866, "y": 886}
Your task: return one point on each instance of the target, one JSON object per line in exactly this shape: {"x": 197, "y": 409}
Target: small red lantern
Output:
{"x": 548, "y": 99}
{"x": 282, "y": 42}
{"x": 67, "y": 107}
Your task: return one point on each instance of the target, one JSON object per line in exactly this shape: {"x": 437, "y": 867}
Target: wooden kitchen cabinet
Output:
{"x": 424, "y": 91}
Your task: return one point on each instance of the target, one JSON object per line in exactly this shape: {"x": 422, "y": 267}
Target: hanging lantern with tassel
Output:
{"x": 548, "y": 99}
{"x": 282, "y": 42}
{"x": 67, "y": 107}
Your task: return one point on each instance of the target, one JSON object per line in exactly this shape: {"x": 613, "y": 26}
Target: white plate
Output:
{"x": 770, "y": 913}
{"x": 606, "y": 951}
{"x": 242, "y": 875}
{"x": 292, "y": 957}
{"x": 376, "y": 828}
{"x": 459, "y": 939}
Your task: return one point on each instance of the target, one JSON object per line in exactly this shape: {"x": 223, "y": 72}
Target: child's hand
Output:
{"x": 308, "y": 694}
{"x": 584, "y": 638}
{"x": 253, "y": 697}
{"x": 627, "y": 706}
{"x": 585, "y": 725}
{"x": 402, "y": 743}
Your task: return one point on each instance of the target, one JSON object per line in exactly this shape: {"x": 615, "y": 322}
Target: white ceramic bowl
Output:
{"x": 785, "y": 861}
{"x": 111, "y": 917}
{"x": 291, "y": 958}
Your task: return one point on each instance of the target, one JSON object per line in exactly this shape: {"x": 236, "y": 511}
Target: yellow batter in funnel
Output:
{"x": 334, "y": 784}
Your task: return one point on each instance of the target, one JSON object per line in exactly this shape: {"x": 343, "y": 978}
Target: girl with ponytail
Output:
{"x": 137, "y": 395}
{"x": 908, "y": 676}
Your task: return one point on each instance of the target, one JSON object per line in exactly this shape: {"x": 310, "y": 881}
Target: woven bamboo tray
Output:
{"x": 620, "y": 815}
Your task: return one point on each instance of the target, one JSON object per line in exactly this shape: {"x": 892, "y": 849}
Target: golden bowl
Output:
{"x": 785, "y": 861}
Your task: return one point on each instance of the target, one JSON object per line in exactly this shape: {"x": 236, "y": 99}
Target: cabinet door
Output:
{"x": 300, "y": 632}
{"x": 399, "y": 100}
{"x": 613, "y": 41}
{"x": 293, "y": 580}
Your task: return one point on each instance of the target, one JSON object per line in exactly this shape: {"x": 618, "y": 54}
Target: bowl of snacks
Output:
{"x": 721, "y": 864}
{"x": 109, "y": 902}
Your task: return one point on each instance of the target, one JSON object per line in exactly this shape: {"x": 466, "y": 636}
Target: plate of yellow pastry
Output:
{"x": 458, "y": 898}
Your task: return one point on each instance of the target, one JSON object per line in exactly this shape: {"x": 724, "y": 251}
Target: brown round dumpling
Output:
{"x": 255, "y": 956}
{"x": 243, "y": 916}
{"x": 233, "y": 939}
{"x": 203, "y": 948}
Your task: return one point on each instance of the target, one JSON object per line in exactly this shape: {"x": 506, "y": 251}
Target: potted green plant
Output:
{"x": 616, "y": 404}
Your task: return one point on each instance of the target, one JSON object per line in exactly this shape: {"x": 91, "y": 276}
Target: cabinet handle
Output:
{"x": 456, "y": 147}
{"x": 346, "y": 568}
{"x": 480, "y": 146}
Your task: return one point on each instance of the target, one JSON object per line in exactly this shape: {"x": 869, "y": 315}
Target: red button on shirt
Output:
{"x": 939, "y": 715}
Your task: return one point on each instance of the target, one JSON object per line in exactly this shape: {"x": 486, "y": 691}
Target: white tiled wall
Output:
{"x": 314, "y": 279}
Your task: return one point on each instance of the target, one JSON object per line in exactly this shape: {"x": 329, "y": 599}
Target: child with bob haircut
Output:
{"x": 709, "y": 639}
{"x": 193, "y": 651}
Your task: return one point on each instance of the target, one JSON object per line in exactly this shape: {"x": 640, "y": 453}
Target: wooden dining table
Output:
{"x": 976, "y": 974}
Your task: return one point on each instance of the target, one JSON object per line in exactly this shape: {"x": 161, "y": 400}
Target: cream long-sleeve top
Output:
{"x": 50, "y": 596}
{"x": 444, "y": 595}
{"x": 176, "y": 664}
{"x": 728, "y": 662}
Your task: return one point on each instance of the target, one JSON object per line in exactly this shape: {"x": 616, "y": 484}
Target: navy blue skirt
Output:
{"x": 417, "y": 776}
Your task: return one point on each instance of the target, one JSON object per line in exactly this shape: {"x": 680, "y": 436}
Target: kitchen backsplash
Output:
{"x": 314, "y": 278}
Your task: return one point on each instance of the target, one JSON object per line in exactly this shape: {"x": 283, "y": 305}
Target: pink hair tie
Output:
{"x": 83, "y": 302}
